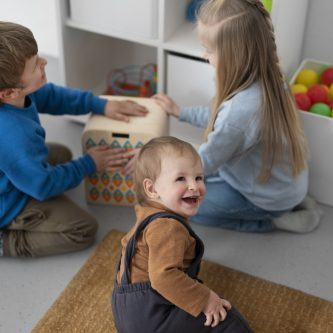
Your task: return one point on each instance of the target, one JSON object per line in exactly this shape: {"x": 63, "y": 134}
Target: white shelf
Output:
{"x": 98, "y": 30}
{"x": 185, "y": 41}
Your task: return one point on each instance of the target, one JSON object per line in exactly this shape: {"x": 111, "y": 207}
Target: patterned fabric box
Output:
{"x": 114, "y": 187}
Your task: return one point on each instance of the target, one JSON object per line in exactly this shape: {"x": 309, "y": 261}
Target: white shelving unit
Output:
{"x": 42, "y": 18}
{"x": 85, "y": 40}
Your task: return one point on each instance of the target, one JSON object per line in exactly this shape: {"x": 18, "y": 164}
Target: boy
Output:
{"x": 156, "y": 288}
{"x": 35, "y": 218}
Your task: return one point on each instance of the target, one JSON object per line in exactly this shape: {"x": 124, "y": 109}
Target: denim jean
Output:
{"x": 225, "y": 207}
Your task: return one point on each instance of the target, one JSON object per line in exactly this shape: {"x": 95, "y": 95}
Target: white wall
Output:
{"x": 318, "y": 35}
{"x": 41, "y": 17}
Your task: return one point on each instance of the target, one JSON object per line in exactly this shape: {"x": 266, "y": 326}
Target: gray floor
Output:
{"x": 29, "y": 286}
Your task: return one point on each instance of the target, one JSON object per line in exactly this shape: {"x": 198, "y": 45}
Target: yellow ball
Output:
{"x": 330, "y": 91}
{"x": 299, "y": 88}
{"x": 308, "y": 77}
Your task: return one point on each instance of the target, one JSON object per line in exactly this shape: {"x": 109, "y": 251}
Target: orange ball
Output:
{"x": 330, "y": 92}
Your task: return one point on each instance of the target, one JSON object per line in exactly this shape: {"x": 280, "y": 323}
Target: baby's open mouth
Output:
{"x": 191, "y": 200}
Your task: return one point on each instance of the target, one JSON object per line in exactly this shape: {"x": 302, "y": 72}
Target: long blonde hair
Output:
{"x": 244, "y": 44}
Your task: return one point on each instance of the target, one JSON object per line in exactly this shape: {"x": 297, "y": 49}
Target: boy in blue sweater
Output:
{"x": 36, "y": 219}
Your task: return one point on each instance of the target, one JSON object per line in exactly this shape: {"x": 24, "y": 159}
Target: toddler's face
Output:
{"x": 180, "y": 186}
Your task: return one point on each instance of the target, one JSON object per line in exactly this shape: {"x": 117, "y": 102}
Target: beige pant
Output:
{"x": 53, "y": 226}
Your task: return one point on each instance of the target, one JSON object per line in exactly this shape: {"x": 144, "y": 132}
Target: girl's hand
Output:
{"x": 167, "y": 104}
{"x": 107, "y": 158}
{"x": 215, "y": 310}
{"x": 122, "y": 110}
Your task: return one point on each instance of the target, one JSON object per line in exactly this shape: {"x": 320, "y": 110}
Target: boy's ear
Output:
{"x": 148, "y": 186}
{"x": 7, "y": 94}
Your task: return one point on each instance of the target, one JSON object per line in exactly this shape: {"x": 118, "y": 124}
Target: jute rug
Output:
{"x": 84, "y": 306}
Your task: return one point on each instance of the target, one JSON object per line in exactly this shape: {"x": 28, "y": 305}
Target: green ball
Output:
{"x": 321, "y": 108}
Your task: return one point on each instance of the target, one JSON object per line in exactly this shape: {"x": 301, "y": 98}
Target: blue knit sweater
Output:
{"x": 24, "y": 171}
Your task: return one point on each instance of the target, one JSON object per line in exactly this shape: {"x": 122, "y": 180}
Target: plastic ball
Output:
{"x": 317, "y": 94}
{"x": 303, "y": 101}
{"x": 308, "y": 77}
{"x": 330, "y": 91}
{"x": 298, "y": 88}
{"x": 326, "y": 76}
{"x": 321, "y": 108}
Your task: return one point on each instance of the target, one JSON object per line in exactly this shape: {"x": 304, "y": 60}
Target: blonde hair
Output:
{"x": 148, "y": 163}
{"x": 244, "y": 43}
{"x": 17, "y": 45}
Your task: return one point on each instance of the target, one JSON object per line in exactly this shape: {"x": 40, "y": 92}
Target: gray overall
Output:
{"x": 137, "y": 308}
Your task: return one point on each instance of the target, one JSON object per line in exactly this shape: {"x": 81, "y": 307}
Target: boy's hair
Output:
{"x": 17, "y": 45}
{"x": 148, "y": 163}
{"x": 244, "y": 42}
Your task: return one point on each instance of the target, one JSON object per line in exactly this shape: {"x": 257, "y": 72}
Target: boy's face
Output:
{"x": 33, "y": 76}
{"x": 180, "y": 186}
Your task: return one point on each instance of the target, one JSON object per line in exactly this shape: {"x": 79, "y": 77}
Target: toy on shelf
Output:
{"x": 114, "y": 187}
{"x": 136, "y": 81}
{"x": 313, "y": 90}
{"x": 192, "y": 9}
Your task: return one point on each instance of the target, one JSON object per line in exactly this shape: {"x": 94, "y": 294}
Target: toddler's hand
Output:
{"x": 107, "y": 158}
{"x": 167, "y": 104}
{"x": 215, "y": 309}
{"x": 121, "y": 110}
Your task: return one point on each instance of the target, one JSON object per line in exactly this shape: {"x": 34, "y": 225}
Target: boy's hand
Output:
{"x": 215, "y": 310}
{"x": 167, "y": 104}
{"x": 107, "y": 158}
{"x": 122, "y": 110}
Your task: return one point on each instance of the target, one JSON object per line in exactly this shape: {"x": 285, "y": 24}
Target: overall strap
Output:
{"x": 130, "y": 248}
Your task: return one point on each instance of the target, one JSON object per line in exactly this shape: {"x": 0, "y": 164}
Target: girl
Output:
{"x": 157, "y": 290}
{"x": 255, "y": 155}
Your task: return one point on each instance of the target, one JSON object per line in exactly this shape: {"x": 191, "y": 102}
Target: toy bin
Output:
{"x": 119, "y": 18}
{"x": 114, "y": 187}
{"x": 319, "y": 134}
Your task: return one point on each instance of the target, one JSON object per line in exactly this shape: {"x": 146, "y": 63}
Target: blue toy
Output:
{"x": 192, "y": 9}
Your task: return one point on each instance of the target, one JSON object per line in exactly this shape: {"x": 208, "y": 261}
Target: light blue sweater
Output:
{"x": 233, "y": 153}
{"x": 24, "y": 171}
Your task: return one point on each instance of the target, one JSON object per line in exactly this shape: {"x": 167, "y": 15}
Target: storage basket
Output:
{"x": 319, "y": 134}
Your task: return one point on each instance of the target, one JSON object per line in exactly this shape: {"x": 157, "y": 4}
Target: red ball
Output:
{"x": 326, "y": 76}
{"x": 303, "y": 101}
{"x": 317, "y": 94}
